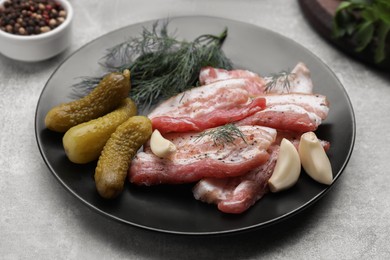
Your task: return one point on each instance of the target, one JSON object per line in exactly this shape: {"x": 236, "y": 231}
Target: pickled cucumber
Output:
{"x": 115, "y": 159}
{"x": 108, "y": 94}
{"x": 83, "y": 143}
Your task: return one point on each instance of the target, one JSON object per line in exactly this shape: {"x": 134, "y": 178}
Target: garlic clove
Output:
{"x": 160, "y": 146}
{"x": 314, "y": 159}
{"x": 287, "y": 168}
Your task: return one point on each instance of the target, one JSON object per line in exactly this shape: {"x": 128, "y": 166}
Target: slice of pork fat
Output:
{"x": 197, "y": 158}
{"x": 290, "y": 112}
{"x": 237, "y": 194}
{"x": 299, "y": 78}
{"x": 210, "y": 75}
{"x": 208, "y": 106}
{"x": 299, "y": 81}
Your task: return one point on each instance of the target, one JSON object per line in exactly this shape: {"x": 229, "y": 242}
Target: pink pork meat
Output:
{"x": 291, "y": 112}
{"x": 209, "y": 75}
{"x": 299, "y": 79}
{"x": 208, "y": 106}
{"x": 197, "y": 158}
{"x": 237, "y": 194}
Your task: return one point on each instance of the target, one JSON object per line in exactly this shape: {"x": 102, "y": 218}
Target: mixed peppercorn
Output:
{"x": 31, "y": 17}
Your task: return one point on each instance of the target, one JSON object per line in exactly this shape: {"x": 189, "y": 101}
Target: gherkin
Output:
{"x": 115, "y": 159}
{"x": 107, "y": 96}
{"x": 83, "y": 143}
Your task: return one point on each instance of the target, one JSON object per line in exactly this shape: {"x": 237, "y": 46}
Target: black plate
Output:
{"x": 172, "y": 209}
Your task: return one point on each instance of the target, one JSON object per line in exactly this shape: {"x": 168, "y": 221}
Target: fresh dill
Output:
{"x": 161, "y": 65}
{"x": 277, "y": 80}
{"x": 223, "y": 134}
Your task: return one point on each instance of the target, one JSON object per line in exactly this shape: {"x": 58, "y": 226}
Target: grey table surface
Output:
{"x": 39, "y": 219}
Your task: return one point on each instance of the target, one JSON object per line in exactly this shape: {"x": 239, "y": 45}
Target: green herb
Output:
{"x": 279, "y": 79}
{"x": 161, "y": 66}
{"x": 366, "y": 23}
{"x": 223, "y": 134}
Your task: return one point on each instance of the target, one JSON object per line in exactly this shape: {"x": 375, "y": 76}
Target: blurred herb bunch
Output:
{"x": 366, "y": 23}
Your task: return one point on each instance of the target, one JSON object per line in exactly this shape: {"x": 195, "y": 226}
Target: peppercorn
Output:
{"x": 22, "y": 31}
{"x": 9, "y": 28}
{"x": 52, "y": 23}
{"x": 45, "y": 29}
{"x": 26, "y": 17}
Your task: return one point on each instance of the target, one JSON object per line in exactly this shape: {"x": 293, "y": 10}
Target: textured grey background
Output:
{"x": 40, "y": 219}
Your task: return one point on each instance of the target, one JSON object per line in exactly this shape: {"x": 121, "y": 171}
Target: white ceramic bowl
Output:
{"x": 31, "y": 48}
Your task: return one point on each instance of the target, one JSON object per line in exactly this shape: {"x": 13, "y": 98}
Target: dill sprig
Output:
{"x": 161, "y": 65}
{"x": 223, "y": 134}
{"x": 281, "y": 79}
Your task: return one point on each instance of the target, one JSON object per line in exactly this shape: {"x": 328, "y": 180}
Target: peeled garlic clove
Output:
{"x": 160, "y": 146}
{"x": 287, "y": 168}
{"x": 314, "y": 159}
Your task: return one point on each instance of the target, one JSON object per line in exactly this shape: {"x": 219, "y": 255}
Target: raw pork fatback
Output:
{"x": 236, "y": 194}
{"x": 299, "y": 79}
{"x": 209, "y": 75}
{"x": 198, "y": 158}
{"x": 208, "y": 106}
{"x": 291, "y": 112}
